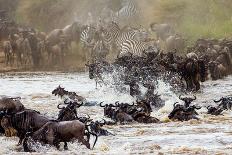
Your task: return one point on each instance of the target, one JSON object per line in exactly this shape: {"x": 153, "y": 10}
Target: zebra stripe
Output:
{"x": 87, "y": 35}
{"x": 110, "y": 33}
{"x": 134, "y": 47}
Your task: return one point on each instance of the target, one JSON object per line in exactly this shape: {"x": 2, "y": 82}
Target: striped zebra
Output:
{"x": 128, "y": 13}
{"x": 110, "y": 34}
{"x": 87, "y": 39}
{"x": 136, "y": 48}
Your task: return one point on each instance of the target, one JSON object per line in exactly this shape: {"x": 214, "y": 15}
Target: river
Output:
{"x": 209, "y": 135}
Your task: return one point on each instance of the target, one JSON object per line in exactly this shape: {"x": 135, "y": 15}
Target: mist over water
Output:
{"x": 209, "y": 135}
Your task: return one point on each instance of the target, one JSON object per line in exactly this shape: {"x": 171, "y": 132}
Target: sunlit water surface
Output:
{"x": 209, "y": 135}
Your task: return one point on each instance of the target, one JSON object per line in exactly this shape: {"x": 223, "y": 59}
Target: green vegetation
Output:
{"x": 196, "y": 18}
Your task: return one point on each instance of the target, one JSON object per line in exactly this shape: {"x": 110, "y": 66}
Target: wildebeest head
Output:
{"x": 69, "y": 112}
{"x": 187, "y": 100}
{"x": 125, "y": 107}
{"x": 214, "y": 110}
{"x": 59, "y": 91}
{"x": 109, "y": 109}
{"x": 226, "y": 102}
{"x": 144, "y": 105}
{"x": 176, "y": 108}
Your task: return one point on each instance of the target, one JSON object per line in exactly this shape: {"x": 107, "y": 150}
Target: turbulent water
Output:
{"x": 209, "y": 135}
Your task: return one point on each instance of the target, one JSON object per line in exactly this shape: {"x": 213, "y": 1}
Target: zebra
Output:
{"x": 110, "y": 34}
{"x": 131, "y": 47}
{"x": 129, "y": 12}
{"x": 87, "y": 40}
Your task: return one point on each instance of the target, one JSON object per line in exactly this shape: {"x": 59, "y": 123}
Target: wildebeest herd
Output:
{"x": 140, "y": 63}
{"x": 31, "y": 126}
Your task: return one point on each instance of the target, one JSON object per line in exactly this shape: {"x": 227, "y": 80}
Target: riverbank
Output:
{"x": 71, "y": 65}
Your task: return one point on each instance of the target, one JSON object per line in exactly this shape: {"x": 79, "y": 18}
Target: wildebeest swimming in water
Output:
{"x": 69, "y": 112}
{"x": 126, "y": 113}
{"x": 214, "y": 110}
{"x": 24, "y": 121}
{"x": 61, "y": 92}
{"x": 225, "y": 103}
{"x": 181, "y": 113}
{"x": 54, "y": 132}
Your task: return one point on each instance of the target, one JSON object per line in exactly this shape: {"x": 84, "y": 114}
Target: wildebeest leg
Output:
{"x": 56, "y": 143}
{"x": 96, "y": 84}
{"x": 21, "y": 137}
{"x": 65, "y": 146}
{"x": 25, "y": 145}
{"x": 196, "y": 83}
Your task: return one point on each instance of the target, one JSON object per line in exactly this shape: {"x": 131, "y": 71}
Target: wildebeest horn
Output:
{"x": 217, "y": 101}
{"x": 88, "y": 116}
{"x": 58, "y": 106}
{"x": 117, "y": 103}
{"x": 208, "y": 107}
{"x": 102, "y": 105}
{"x": 174, "y": 105}
{"x": 79, "y": 105}
{"x": 180, "y": 97}
{"x": 131, "y": 104}
{"x": 194, "y": 97}
{"x": 66, "y": 101}
{"x": 104, "y": 123}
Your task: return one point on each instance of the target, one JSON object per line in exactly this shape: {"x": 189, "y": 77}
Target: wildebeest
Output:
{"x": 187, "y": 100}
{"x": 117, "y": 112}
{"x": 162, "y": 30}
{"x": 217, "y": 70}
{"x": 225, "y": 103}
{"x": 11, "y": 104}
{"x": 175, "y": 43}
{"x": 181, "y": 113}
{"x": 69, "y": 112}
{"x": 61, "y": 92}
{"x": 191, "y": 71}
{"x": 214, "y": 110}
{"x": 24, "y": 121}
{"x": 23, "y": 50}
{"x": 96, "y": 128}
{"x": 72, "y": 33}
{"x": 54, "y": 132}
{"x": 8, "y": 51}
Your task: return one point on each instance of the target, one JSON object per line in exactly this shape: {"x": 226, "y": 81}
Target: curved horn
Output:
{"x": 197, "y": 107}
{"x": 79, "y": 105}
{"x": 132, "y": 104}
{"x": 101, "y": 104}
{"x": 117, "y": 103}
{"x": 208, "y": 107}
{"x": 180, "y": 97}
{"x": 217, "y": 101}
{"x": 88, "y": 116}
{"x": 58, "y": 106}
{"x": 194, "y": 97}
{"x": 174, "y": 105}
